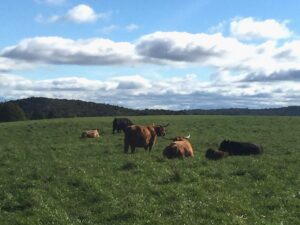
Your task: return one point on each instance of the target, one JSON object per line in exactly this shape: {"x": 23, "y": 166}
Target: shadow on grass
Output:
{"x": 159, "y": 159}
{"x": 253, "y": 174}
{"x": 129, "y": 166}
{"x": 122, "y": 217}
{"x": 19, "y": 205}
{"x": 173, "y": 177}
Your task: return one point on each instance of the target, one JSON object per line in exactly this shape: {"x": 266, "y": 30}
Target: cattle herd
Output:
{"x": 180, "y": 147}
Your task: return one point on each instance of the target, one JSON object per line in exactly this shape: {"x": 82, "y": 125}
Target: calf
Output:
{"x": 95, "y": 133}
{"x": 215, "y": 155}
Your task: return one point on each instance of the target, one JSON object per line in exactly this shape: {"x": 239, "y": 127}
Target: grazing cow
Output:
{"x": 121, "y": 124}
{"x": 142, "y": 136}
{"x": 179, "y": 148}
{"x": 95, "y": 133}
{"x": 240, "y": 148}
{"x": 215, "y": 155}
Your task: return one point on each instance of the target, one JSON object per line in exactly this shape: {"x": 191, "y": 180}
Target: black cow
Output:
{"x": 120, "y": 124}
{"x": 240, "y": 148}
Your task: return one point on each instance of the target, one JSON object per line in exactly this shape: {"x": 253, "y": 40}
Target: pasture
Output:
{"x": 48, "y": 175}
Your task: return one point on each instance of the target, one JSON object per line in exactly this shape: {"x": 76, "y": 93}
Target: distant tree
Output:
{"x": 37, "y": 115}
{"x": 11, "y": 112}
{"x": 51, "y": 114}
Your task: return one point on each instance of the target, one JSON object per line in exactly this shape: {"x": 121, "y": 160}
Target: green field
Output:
{"x": 48, "y": 175}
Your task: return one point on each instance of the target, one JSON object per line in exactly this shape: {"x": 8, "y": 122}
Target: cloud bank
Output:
{"x": 135, "y": 91}
{"x": 251, "y": 68}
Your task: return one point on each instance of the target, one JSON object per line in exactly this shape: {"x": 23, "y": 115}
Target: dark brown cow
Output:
{"x": 120, "y": 124}
{"x": 142, "y": 136}
{"x": 215, "y": 155}
{"x": 240, "y": 148}
{"x": 95, "y": 133}
{"x": 179, "y": 148}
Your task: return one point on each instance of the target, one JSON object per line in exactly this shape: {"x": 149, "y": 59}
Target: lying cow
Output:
{"x": 142, "y": 136}
{"x": 179, "y": 148}
{"x": 120, "y": 124}
{"x": 215, "y": 155}
{"x": 95, "y": 133}
{"x": 240, "y": 148}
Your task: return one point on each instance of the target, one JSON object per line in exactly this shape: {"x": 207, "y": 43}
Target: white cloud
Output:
{"x": 51, "y": 2}
{"x": 83, "y": 14}
{"x": 132, "y": 27}
{"x": 57, "y": 50}
{"x": 132, "y": 82}
{"x": 108, "y": 29}
{"x": 79, "y": 14}
{"x": 251, "y": 29}
{"x": 7, "y": 65}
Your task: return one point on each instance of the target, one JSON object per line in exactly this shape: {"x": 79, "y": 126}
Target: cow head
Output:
{"x": 224, "y": 144}
{"x": 179, "y": 138}
{"x": 160, "y": 129}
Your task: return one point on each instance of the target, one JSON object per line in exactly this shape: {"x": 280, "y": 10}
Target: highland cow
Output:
{"x": 240, "y": 148}
{"x": 179, "y": 148}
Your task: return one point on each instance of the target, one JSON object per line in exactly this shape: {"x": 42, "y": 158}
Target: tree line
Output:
{"x": 47, "y": 108}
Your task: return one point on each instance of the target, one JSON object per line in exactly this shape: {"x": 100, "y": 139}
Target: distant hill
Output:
{"x": 42, "y": 108}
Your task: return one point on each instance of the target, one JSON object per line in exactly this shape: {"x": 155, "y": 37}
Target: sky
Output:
{"x": 169, "y": 54}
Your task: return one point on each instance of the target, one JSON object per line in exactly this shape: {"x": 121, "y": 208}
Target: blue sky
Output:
{"x": 152, "y": 54}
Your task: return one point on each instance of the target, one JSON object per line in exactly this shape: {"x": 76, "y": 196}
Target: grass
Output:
{"x": 49, "y": 175}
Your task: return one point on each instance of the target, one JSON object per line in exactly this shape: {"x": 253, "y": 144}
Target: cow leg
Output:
{"x": 150, "y": 147}
{"x": 126, "y": 146}
{"x": 132, "y": 148}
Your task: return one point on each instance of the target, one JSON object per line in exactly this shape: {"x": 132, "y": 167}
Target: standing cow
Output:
{"x": 120, "y": 124}
{"x": 240, "y": 148}
{"x": 179, "y": 148}
{"x": 142, "y": 136}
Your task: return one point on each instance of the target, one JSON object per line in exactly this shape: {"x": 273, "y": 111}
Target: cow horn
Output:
{"x": 166, "y": 125}
{"x": 187, "y": 137}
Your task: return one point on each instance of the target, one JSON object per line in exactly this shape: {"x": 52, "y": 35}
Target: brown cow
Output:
{"x": 215, "y": 155}
{"x": 142, "y": 136}
{"x": 95, "y": 133}
{"x": 179, "y": 148}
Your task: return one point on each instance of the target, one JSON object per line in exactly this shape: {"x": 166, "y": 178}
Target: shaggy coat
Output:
{"x": 240, "y": 148}
{"x": 215, "y": 155}
{"x": 142, "y": 136}
{"x": 120, "y": 124}
{"x": 179, "y": 148}
{"x": 95, "y": 133}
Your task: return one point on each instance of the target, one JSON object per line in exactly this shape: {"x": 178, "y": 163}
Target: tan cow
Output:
{"x": 95, "y": 133}
{"x": 142, "y": 136}
{"x": 179, "y": 148}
